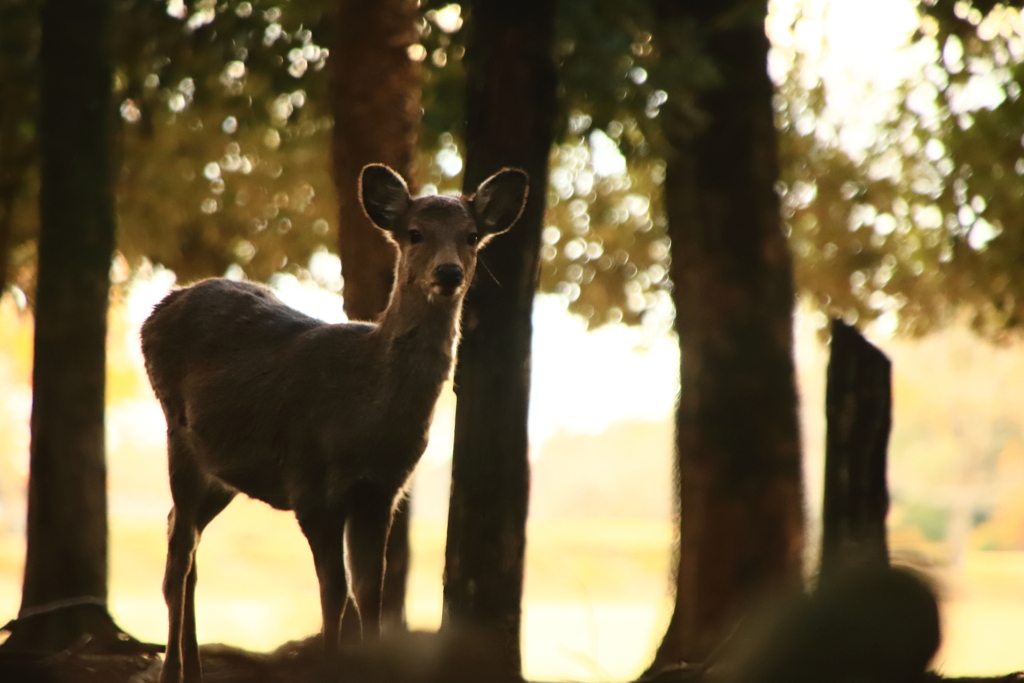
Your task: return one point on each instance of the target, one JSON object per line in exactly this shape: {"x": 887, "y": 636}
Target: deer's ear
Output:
{"x": 500, "y": 199}
{"x": 383, "y": 195}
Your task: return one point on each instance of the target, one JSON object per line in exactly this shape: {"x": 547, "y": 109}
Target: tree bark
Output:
{"x": 858, "y": 408}
{"x": 376, "y": 115}
{"x": 510, "y": 108}
{"x": 737, "y": 440}
{"x": 66, "y": 560}
{"x": 19, "y": 43}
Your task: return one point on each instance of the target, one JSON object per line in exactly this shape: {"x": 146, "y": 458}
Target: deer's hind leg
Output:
{"x": 215, "y": 500}
{"x": 197, "y": 500}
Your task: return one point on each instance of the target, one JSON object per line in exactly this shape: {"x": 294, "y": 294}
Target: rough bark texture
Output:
{"x": 858, "y": 407}
{"x": 737, "y": 440}
{"x": 510, "y": 107}
{"x": 376, "y": 116}
{"x": 67, "y": 517}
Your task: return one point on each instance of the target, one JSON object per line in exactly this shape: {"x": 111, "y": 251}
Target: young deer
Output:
{"x": 326, "y": 420}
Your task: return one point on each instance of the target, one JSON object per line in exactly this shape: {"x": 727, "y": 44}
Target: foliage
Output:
{"x": 226, "y": 140}
{"x": 925, "y": 222}
{"x": 197, "y": 198}
{"x": 226, "y": 137}
{"x": 604, "y": 247}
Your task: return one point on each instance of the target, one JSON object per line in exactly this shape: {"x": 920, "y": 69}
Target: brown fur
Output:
{"x": 326, "y": 420}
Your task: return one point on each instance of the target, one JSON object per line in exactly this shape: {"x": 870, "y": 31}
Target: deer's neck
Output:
{"x": 419, "y": 337}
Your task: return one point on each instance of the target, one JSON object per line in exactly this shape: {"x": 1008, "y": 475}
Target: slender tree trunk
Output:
{"x": 510, "y": 107}
{"x": 376, "y": 115}
{"x": 737, "y": 440}
{"x": 66, "y": 561}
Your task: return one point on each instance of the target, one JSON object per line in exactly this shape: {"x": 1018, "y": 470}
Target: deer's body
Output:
{"x": 274, "y": 402}
{"x": 326, "y": 420}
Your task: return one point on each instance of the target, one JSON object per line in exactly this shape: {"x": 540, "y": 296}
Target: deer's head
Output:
{"x": 438, "y": 237}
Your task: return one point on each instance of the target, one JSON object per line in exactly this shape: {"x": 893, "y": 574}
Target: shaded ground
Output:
{"x": 411, "y": 658}
{"x": 420, "y": 661}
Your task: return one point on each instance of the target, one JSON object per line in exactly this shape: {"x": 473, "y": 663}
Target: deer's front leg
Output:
{"x": 366, "y": 535}
{"x": 324, "y": 529}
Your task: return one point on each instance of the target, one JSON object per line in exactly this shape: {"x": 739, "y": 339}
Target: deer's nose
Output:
{"x": 448, "y": 275}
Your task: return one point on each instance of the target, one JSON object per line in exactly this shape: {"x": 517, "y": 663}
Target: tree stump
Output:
{"x": 858, "y": 409}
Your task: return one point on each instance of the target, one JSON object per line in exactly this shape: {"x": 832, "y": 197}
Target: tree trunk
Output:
{"x": 737, "y": 440}
{"x": 19, "y": 42}
{"x": 376, "y": 115}
{"x": 510, "y": 108}
{"x": 858, "y": 407}
{"x": 66, "y": 561}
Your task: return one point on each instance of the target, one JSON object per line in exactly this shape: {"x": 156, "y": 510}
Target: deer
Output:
{"x": 325, "y": 420}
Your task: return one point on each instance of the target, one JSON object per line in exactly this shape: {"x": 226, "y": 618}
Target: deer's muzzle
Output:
{"x": 448, "y": 277}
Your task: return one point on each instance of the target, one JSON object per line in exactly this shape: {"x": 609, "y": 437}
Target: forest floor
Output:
{"x": 409, "y": 658}
{"x": 419, "y": 659}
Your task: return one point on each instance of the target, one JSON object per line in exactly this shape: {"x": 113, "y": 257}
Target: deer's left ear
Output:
{"x": 499, "y": 201}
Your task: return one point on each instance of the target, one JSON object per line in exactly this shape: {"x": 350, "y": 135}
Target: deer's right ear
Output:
{"x": 383, "y": 195}
{"x": 499, "y": 201}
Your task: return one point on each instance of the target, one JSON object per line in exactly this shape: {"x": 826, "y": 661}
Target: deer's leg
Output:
{"x": 215, "y": 499}
{"x": 182, "y": 538}
{"x": 366, "y": 535}
{"x": 324, "y": 529}
{"x": 181, "y": 546}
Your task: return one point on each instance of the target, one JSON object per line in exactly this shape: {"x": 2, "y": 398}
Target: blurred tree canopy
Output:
{"x": 923, "y": 225}
{"x": 222, "y": 161}
{"x": 225, "y": 155}
{"x": 926, "y": 222}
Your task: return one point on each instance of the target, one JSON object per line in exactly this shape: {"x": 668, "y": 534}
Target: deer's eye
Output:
{"x": 472, "y": 239}
{"x": 415, "y": 237}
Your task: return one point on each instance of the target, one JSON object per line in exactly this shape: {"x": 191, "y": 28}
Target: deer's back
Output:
{"x": 250, "y": 382}
{"x": 216, "y": 324}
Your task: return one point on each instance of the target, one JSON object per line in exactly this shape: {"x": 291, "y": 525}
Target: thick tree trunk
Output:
{"x": 858, "y": 407}
{"x": 376, "y": 115}
{"x": 510, "y": 109}
{"x": 66, "y": 562}
{"x": 737, "y": 440}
